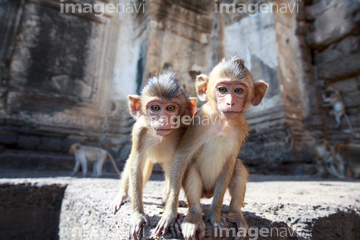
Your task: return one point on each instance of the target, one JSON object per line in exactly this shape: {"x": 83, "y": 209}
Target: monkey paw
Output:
{"x": 137, "y": 221}
{"x": 169, "y": 220}
{"x": 120, "y": 200}
{"x": 191, "y": 225}
{"x": 241, "y": 224}
{"x": 217, "y": 221}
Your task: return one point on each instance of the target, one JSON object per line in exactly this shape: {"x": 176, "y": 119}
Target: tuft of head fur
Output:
{"x": 165, "y": 86}
{"x": 232, "y": 68}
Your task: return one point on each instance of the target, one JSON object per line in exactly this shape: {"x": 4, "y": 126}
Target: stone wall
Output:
{"x": 56, "y": 78}
{"x": 333, "y": 37}
{"x": 66, "y": 77}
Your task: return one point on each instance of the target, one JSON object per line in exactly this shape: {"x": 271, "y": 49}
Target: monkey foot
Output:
{"x": 136, "y": 225}
{"x": 169, "y": 220}
{"x": 240, "y": 222}
{"x": 118, "y": 202}
{"x": 218, "y": 223}
{"x": 191, "y": 225}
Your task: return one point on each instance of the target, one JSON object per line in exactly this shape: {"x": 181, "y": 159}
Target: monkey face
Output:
{"x": 231, "y": 97}
{"x": 163, "y": 116}
{"x": 73, "y": 148}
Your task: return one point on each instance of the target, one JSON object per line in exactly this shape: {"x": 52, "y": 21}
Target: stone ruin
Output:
{"x": 65, "y": 77}
{"x": 66, "y": 73}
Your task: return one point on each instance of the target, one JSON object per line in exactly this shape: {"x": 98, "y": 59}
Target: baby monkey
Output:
{"x": 205, "y": 163}
{"x": 162, "y": 113}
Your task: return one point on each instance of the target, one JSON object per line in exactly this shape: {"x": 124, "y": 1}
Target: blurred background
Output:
{"x": 66, "y": 69}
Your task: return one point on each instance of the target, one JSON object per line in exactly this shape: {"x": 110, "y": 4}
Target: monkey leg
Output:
{"x": 193, "y": 221}
{"x": 222, "y": 183}
{"x": 83, "y": 162}
{"x": 167, "y": 169}
{"x": 338, "y": 117}
{"x": 237, "y": 189}
{"x": 122, "y": 196}
{"x": 76, "y": 167}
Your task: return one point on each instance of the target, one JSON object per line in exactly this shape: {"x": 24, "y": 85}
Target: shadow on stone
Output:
{"x": 30, "y": 212}
{"x": 259, "y": 228}
{"x": 340, "y": 225}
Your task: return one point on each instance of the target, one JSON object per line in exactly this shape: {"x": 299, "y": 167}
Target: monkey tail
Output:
{"x": 114, "y": 164}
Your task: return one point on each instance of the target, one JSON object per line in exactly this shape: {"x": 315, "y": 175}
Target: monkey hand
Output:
{"x": 216, "y": 220}
{"x": 193, "y": 223}
{"x": 241, "y": 225}
{"x": 137, "y": 221}
{"x": 120, "y": 199}
{"x": 168, "y": 220}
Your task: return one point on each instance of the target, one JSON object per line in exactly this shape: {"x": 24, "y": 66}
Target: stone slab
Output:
{"x": 276, "y": 207}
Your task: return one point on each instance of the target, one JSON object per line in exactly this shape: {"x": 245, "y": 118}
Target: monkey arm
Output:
{"x": 138, "y": 217}
{"x": 136, "y": 181}
{"x": 188, "y": 146}
{"x": 186, "y": 149}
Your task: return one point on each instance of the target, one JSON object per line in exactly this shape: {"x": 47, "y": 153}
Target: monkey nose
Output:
{"x": 230, "y": 103}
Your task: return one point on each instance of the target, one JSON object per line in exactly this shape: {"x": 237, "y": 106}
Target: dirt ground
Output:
{"x": 277, "y": 207}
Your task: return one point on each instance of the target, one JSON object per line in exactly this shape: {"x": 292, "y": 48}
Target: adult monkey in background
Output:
{"x": 205, "y": 162}
{"x": 160, "y": 113}
{"x": 86, "y": 153}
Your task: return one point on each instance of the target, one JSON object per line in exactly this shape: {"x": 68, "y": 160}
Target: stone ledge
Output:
{"x": 315, "y": 209}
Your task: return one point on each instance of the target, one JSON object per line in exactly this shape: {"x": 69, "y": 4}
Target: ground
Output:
{"x": 277, "y": 207}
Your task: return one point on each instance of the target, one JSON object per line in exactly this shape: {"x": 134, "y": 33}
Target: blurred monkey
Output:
{"x": 350, "y": 153}
{"x": 87, "y": 153}
{"x": 332, "y": 98}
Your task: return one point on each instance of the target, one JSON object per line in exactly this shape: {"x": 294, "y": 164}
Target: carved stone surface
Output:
{"x": 275, "y": 207}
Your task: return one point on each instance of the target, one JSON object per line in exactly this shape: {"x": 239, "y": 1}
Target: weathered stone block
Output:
{"x": 346, "y": 67}
{"x": 334, "y": 23}
{"x": 51, "y": 144}
{"x": 347, "y": 85}
{"x": 349, "y": 45}
{"x": 28, "y": 142}
{"x": 30, "y": 212}
{"x": 124, "y": 152}
{"x": 8, "y": 139}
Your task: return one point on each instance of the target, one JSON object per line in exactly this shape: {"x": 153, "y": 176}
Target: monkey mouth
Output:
{"x": 231, "y": 114}
{"x": 163, "y": 132}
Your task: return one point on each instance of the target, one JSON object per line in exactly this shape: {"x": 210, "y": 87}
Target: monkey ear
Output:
{"x": 201, "y": 86}
{"x": 260, "y": 88}
{"x": 191, "y": 106}
{"x": 135, "y": 106}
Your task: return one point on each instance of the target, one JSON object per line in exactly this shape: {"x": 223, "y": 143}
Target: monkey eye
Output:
{"x": 239, "y": 90}
{"x": 155, "y": 107}
{"x": 170, "y": 108}
{"x": 222, "y": 89}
